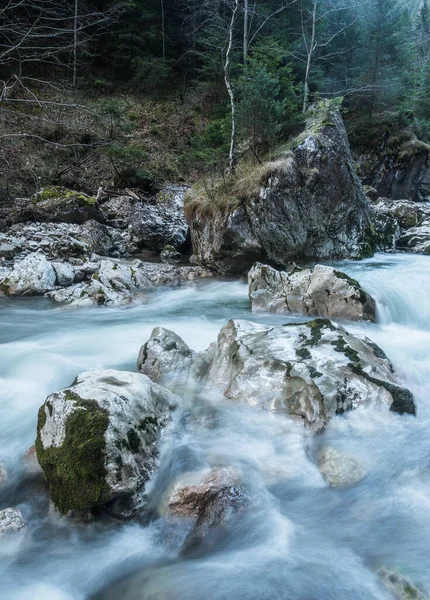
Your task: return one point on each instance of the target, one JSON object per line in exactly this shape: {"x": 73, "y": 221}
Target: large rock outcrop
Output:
{"x": 400, "y": 168}
{"x": 97, "y": 440}
{"x": 313, "y": 370}
{"x": 307, "y": 204}
{"x": 321, "y": 291}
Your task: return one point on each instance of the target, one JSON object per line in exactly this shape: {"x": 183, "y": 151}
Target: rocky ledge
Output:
{"x": 90, "y": 282}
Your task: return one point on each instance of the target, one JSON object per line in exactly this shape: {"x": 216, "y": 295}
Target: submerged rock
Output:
{"x": 401, "y": 587}
{"x": 11, "y": 521}
{"x": 191, "y": 492}
{"x": 97, "y": 441}
{"x": 307, "y": 204}
{"x": 321, "y": 291}
{"x": 338, "y": 469}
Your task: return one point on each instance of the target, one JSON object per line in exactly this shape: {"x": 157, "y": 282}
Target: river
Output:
{"x": 304, "y": 540}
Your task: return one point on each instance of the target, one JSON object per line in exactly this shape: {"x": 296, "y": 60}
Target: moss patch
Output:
{"x": 316, "y": 326}
{"x": 403, "y": 400}
{"x": 76, "y": 471}
{"x": 54, "y": 192}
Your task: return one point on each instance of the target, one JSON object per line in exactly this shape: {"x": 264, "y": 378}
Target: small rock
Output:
{"x": 169, "y": 254}
{"x": 33, "y": 275}
{"x": 64, "y": 272}
{"x": 165, "y": 355}
{"x": 11, "y": 521}
{"x": 338, "y": 469}
{"x": 189, "y": 494}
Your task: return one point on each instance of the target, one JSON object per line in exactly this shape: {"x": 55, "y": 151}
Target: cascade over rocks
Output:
{"x": 97, "y": 440}
{"x": 313, "y": 370}
{"x": 307, "y": 204}
{"x": 321, "y": 291}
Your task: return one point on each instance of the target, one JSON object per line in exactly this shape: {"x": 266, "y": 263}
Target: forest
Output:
{"x": 146, "y": 91}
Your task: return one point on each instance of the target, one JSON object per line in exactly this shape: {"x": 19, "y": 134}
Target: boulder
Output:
{"x": 32, "y": 276}
{"x": 338, "y": 469}
{"x": 321, "y": 291}
{"x": 407, "y": 213}
{"x": 97, "y": 440}
{"x": 165, "y": 355}
{"x": 154, "y": 222}
{"x": 117, "y": 283}
{"x": 311, "y": 370}
{"x": 11, "y": 521}
{"x": 308, "y": 203}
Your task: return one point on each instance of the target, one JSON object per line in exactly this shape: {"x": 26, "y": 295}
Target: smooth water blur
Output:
{"x": 302, "y": 540}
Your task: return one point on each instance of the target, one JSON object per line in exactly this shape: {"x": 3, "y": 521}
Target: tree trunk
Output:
{"x": 245, "y": 32}
{"x": 75, "y": 44}
{"x": 310, "y": 51}
{"x": 163, "y": 31}
{"x": 232, "y": 152}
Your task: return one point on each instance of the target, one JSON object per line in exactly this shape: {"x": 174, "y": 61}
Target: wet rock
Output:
{"x": 313, "y": 370}
{"x": 32, "y": 276}
{"x": 307, "y": 204}
{"x": 169, "y": 254}
{"x": 117, "y": 283}
{"x": 400, "y": 587}
{"x": 190, "y": 494}
{"x": 165, "y": 356}
{"x": 321, "y": 291}
{"x": 30, "y": 462}
{"x": 11, "y": 521}
{"x": 218, "y": 510}
{"x": 407, "y": 213}
{"x": 338, "y": 469}
{"x": 97, "y": 441}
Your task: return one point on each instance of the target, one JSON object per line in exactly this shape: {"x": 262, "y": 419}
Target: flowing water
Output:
{"x": 303, "y": 540}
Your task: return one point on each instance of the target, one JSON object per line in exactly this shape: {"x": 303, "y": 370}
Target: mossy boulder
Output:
{"x": 97, "y": 440}
{"x": 57, "y": 204}
{"x": 320, "y": 291}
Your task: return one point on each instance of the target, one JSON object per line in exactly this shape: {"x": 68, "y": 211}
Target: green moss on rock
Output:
{"x": 76, "y": 471}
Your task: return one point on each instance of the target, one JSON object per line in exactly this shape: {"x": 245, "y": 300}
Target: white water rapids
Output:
{"x": 305, "y": 540}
